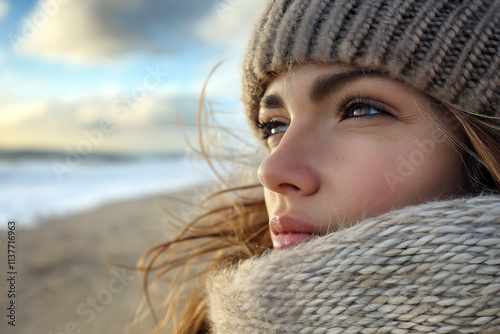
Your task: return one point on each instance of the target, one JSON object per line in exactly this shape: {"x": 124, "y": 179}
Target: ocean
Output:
{"x": 37, "y": 186}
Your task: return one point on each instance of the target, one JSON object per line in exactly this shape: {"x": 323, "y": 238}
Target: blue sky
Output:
{"x": 68, "y": 66}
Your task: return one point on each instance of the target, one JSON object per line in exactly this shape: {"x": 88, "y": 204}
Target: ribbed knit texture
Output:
{"x": 448, "y": 49}
{"x": 433, "y": 268}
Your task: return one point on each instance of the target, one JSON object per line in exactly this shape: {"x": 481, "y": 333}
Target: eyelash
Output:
{"x": 345, "y": 105}
{"x": 266, "y": 127}
{"x": 349, "y": 102}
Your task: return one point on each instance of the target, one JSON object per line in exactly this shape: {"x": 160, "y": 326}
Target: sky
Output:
{"x": 116, "y": 75}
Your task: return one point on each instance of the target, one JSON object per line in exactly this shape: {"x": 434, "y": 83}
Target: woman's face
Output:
{"x": 345, "y": 145}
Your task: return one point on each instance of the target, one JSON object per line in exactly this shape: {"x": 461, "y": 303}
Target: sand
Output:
{"x": 64, "y": 283}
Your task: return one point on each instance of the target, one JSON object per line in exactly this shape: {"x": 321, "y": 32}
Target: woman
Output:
{"x": 382, "y": 214}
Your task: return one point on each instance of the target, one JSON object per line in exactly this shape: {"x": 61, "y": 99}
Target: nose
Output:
{"x": 290, "y": 168}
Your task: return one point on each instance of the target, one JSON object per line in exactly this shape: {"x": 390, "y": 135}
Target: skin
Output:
{"x": 328, "y": 169}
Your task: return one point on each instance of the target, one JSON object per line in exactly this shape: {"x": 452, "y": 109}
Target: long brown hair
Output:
{"x": 231, "y": 224}
{"x": 481, "y": 147}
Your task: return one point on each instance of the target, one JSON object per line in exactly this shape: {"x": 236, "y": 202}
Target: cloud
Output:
{"x": 149, "y": 124}
{"x": 231, "y": 23}
{"x": 96, "y": 30}
{"x": 4, "y": 8}
{"x": 229, "y": 26}
{"x": 81, "y": 113}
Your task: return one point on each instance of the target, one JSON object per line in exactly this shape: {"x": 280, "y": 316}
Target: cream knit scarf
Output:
{"x": 432, "y": 268}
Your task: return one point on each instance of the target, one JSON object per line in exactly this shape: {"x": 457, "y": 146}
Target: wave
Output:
{"x": 94, "y": 157}
{"x": 33, "y": 192}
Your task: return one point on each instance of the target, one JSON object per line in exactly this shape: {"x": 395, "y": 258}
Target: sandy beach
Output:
{"x": 64, "y": 283}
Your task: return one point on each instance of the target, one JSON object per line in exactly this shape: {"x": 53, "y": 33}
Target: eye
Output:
{"x": 360, "y": 107}
{"x": 271, "y": 128}
{"x": 364, "y": 111}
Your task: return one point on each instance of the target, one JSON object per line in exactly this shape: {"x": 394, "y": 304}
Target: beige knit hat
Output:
{"x": 448, "y": 49}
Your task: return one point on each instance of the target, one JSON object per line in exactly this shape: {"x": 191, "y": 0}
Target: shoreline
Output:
{"x": 69, "y": 213}
{"x": 64, "y": 281}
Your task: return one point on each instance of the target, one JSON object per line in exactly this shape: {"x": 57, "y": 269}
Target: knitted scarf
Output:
{"x": 432, "y": 268}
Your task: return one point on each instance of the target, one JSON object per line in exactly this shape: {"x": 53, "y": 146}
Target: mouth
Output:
{"x": 291, "y": 231}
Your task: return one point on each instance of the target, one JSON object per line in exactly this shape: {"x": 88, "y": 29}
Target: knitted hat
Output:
{"x": 448, "y": 49}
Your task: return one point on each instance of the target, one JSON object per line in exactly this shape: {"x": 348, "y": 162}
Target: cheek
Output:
{"x": 383, "y": 178}
{"x": 421, "y": 172}
{"x": 435, "y": 171}
{"x": 362, "y": 186}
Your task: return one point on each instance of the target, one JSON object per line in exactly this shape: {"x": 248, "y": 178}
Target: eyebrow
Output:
{"x": 322, "y": 87}
{"x": 272, "y": 101}
{"x": 327, "y": 84}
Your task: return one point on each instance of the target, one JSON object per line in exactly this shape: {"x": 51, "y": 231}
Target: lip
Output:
{"x": 290, "y": 231}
